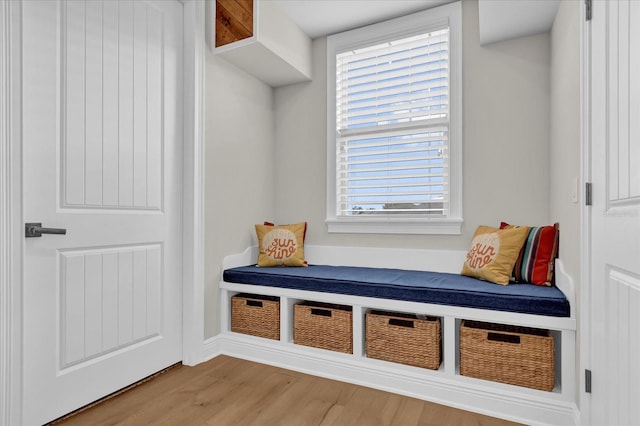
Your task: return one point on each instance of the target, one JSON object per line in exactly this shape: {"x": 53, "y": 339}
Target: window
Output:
{"x": 394, "y": 136}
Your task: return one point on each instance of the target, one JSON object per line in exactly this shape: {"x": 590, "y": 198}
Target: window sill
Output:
{"x": 396, "y": 225}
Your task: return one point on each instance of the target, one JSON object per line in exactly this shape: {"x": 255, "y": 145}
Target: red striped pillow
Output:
{"x": 536, "y": 259}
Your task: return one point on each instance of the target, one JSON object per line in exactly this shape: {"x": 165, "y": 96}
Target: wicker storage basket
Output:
{"x": 519, "y": 356}
{"x": 256, "y": 315}
{"x": 324, "y": 326}
{"x": 404, "y": 339}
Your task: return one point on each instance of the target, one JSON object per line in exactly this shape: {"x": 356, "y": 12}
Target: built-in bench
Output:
{"x": 415, "y": 286}
{"x": 355, "y": 277}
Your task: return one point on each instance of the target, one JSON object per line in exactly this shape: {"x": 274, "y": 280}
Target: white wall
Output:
{"x": 565, "y": 140}
{"x": 239, "y": 181}
{"x": 506, "y": 142}
{"x": 565, "y": 132}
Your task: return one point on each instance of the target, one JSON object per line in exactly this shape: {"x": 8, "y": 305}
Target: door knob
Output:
{"x": 36, "y": 230}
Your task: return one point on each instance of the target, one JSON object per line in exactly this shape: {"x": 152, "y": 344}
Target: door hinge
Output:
{"x": 587, "y": 9}
{"x": 587, "y": 381}
{"x": 587, "y": 194}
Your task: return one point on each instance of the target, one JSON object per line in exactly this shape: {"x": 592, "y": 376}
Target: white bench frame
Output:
{"x": 445, "y": 386}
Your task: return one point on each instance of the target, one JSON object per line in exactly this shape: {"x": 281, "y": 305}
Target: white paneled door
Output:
{"x": 615, "y": 214}
{"x": 102, "y": 131}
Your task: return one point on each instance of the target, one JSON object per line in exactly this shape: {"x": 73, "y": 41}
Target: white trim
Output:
{"x": 526, "y": 406}
{"x": 193, "y": 220}
{"x": 473, "y": 314}
{"x": 10, "y": 215}
{"x": 393, "y": 225}
{"x": 212, "y": 347}
{"x": 584, "y": 323}
{"x": 5, "y": 216}
{"x": 451, "y": 14}
{"x": 11, "y": 220}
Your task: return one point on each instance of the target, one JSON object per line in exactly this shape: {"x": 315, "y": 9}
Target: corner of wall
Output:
{"x": 564, "y": 110}
{"x": 240, "y": 169}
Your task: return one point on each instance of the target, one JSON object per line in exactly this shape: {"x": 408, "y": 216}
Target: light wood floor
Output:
{"x": 229, "y": 391}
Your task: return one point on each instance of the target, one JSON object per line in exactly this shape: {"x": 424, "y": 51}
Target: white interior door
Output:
{"x": 102, "y": 131}
{"x": 615, "y": 214}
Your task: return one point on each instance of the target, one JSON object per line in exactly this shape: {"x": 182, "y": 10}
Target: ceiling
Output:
{"x": 499, "y": 19}
{"x": 319, "y": 18}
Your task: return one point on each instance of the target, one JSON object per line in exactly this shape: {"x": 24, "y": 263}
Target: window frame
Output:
{"x": 448, "y": 15}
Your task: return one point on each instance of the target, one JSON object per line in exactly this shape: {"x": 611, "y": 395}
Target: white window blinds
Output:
{"x": 392, "y": 123}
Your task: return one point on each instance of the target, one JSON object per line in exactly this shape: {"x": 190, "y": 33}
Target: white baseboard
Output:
{"x": 212, "y": 348}
{"x": 459, "y": 392}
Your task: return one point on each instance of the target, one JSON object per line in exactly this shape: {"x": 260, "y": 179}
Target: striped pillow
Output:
{"x": 536, "y": 259}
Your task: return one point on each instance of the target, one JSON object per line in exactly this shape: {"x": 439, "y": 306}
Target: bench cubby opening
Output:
{"x": 402, "y": 338}
{"x": 449, "y": 332}
{"x": 325, "y": 326}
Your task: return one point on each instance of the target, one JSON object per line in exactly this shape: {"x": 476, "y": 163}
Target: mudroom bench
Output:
{"x": 451, "y": 302}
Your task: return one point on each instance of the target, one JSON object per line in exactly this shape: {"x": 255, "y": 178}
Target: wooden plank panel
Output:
{"x": 634, "y": 93}
{"x": 623, "y": 100}
{"x": 93, "y": 304}
{"x": 109, "y": 300}
{"x": 155, "y": 99}
{"x": 154, "y": 290}
{"x": 140, "y": 105}
{"x": 612, "y": 336}
{"x": 622, "y": 349}
{"x": 234, "y": 21}
{"x": 113, "y": 119}
{"x": 634, "y": 356}
{"x": 240, "y": 11}
{"x": 223, "y": 35}
{"x": 247, "y": 8}
{"x": 110, "y": 130}
{"x": 125, "y": 297}
{"x": 74, "y": 124}
{"x": 73, "y": 309}
{"x": 94, "y": 102}
{"x": 612, "y": 141}
{"x": 139, "y": 293}
{"x": 125, "y": 109}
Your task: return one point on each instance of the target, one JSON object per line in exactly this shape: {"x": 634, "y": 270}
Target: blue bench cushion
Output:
{"x": 414, "y": 286}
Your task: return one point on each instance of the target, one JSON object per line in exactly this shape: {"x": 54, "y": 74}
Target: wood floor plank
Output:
{"x": 294, "y": 395}
{"x": 230, "y": 391}
{"x": 408, "y": 413}
{"x": 246, "y": 402}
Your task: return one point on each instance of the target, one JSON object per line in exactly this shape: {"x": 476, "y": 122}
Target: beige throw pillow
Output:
{"x": 493, "y": 253}
{"x": 281, "y": 245}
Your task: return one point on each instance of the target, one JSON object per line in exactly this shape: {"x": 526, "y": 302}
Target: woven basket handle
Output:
{"x": 256, "y": 303}
{"x": 321, "y": 312}
{"x": 401, "y": 322}
{"x": 506, "y": 338}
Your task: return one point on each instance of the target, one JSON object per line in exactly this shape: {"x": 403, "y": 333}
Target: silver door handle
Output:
{"x": 36, "y": 230}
